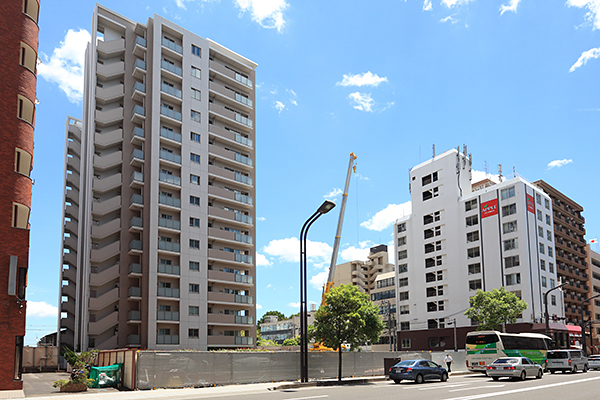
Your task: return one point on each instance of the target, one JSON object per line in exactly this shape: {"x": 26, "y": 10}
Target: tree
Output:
{"x": 348, "y": 317}
{"x": 495, "y": 308}
{"x": 295, "y": 341}
{"x": 280, "y": 316}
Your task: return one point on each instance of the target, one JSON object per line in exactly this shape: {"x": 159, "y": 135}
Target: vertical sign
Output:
{"x": 489, "y": 208}
{"x": 530, "y": 204}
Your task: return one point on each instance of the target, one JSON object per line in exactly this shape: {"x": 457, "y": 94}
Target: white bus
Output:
{"x": 483, "y": 347}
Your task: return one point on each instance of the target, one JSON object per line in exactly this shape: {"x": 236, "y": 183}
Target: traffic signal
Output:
{"x": 554, "y": 318}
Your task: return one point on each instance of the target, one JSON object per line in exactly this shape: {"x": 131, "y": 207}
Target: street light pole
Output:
{"x": 546, "y": 316}
{"x": 583, "y": 339}
{"x": 323, "y": 209}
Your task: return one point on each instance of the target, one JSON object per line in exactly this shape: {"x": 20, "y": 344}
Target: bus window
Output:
{"x": 482, "y": 339}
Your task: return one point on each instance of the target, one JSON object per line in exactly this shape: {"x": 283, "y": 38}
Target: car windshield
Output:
{"x": 557, "y": 354}
{"x": 506, "y": 361}
{"x": 405, "y": 363}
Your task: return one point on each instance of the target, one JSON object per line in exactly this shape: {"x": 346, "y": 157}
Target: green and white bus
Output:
{"x": 483, "y": 347}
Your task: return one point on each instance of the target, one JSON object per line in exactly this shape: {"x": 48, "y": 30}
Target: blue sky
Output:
{"x": 517, "y": 81}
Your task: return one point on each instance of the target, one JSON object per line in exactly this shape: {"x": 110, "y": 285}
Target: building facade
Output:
{"x": 278, "y": 331}
{"x": 457, "y": 241}
{"x": 18, "y": 61}
{"x": 594, "y": 272}
{"x": 158, "y": 247}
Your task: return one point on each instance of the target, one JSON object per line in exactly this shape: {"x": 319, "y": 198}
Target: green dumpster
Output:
{"x": 109, "y": 376}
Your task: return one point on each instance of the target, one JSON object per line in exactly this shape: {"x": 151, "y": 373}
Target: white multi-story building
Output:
{"x": 457, "y": 241}
{"x": 158, "y": 247}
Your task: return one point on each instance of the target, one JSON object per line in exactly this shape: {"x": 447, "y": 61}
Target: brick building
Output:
{"x": 18, "y": 60}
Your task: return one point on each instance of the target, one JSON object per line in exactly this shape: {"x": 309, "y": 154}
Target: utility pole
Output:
{"x": 546, "y": 316}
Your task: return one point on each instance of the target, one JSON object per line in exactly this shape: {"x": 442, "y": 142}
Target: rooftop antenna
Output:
{"x": 514, "y": 171}
{"x": 434, "y": 151}
{"x": 486, "y": 168}
{"x": 500, "y": 172}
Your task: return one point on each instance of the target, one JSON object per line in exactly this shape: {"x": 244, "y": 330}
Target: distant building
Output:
{"x": 458, "y": 240}
{"x": 279, "y": 331}
{"x": 594, "y": 264}
{"x": 19, "y": 33}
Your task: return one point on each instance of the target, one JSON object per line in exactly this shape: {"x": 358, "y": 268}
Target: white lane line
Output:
{"x": 307, "y": 398}
{"x": 418, "y": 387}
{"x": 477, "y": 387}
{"x": 528, "y": 389}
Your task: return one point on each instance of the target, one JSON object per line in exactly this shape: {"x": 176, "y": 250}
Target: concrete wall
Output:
{"x": 40, "y": 359}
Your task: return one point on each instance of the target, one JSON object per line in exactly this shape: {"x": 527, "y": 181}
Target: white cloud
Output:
{"x": 449, "y": 19}
{"x": 366, "y": 79}
{"x": 478, "y": 176}
{"x": 268, "y": 13}
{"x": 41, "y": 309}
{"x": 585, "y": 57}
{"x": 320, "y": 279}
{"x": 558, "y": 163}
{"x": 258, "y": 307}
{"x": 279, "y": 106}
{"x": 65, "y": 66}
{"x": 593, "y": 14}
{"x": 288, "y": 250}
{"x": 333, "y": 194}
{"x": 427, "y": 5}
{"x": 262, "y": 261}
{"x": 511, "y": 6}
{"x": 385, "y": 218}
{"x": 269, "y": 286}
{"x": 261, "y": 219}
{"x": 294, "y": 305}
{"x": 452, "y": 3}
{"x": 353, "y": 253}
{"x": 362, "y": 101}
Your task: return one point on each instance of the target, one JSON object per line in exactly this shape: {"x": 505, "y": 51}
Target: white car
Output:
{"x": 514, "y": 367}
{"x": 594, "y": 362}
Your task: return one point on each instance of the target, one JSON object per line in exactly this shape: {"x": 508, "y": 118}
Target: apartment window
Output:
{"x": 403, "y": 296}
{"x": 548, "y": 221}
{"x": 427, "y": 179}
{"x": 196, "y": 51}
{"x": 544, "y": 282}
{"x": 402, "y": 268}
{"x": 20, "y": 216}
{"x": 194, "y": 310}
{"x": 471, "y": 205}
{"x": 472, "y": 236}
{"x": 550, "y": 251}
{"x": 432, "y": 306}
{"x": 438, "y": 260}
{"x": 549, "y": 235}
{"x": 473, "y": 252}
{"x": 195, "y": 115}
{"x": 194, "y": 244}
{"x": 512, "y": 261}
{"x": 547, "y": 204}
{"x": 431, "y": 291}
{"x": 402, "y": 254}
{"x": 542, "y": 251}
{"x": 474, "y": 268}
{"x": 195, "y": 158}
{"x": 507, "y": 193}
{"x": 511, "y": 244}
{"x": 509, "y": 210}
{"x": 475, "y": 284}
{"x": 540, "y": 231}
{"x": 401, "y": 227}
{"x": 402, "y": 241}
{"x": 539, "y": 215}
{"x": 402, "y": 282}
{"x": 22, "y": 162}
{"x": 194, "y": 266}
{"x": 31, "y": 8}
{"x": 472, "y": 220}
{"x": 553, "y": 300}
{"x": 405, "y": 326}
{"x": 430, "y": 277}
{"x": 196, "y": 72}
{"x": 551, "y": 268}
{"x": 513, "y": 279}
{"x": 538, "y": 198}
{"x": 509, "y": 227}
{"x": 194, "y": 288}
{"x": 543, "y": 265}
{"x": 28, "y": 57}
{"x": 195, "y": 179}
{"x": 194, "y": 137}
{"x": 404, "y": 310}
{"x": 193, "y": 333}
{"x": 196, "y": 94}
{"x": 194, "y": 222}
{"x": 429, "y": 194}
{"x": 25, "y": 108}
{"x": 195, "y": 201}
{"x": 552, "y": 283}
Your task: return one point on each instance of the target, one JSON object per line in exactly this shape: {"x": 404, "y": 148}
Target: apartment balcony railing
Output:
{"x": 173, "y": 46}
{"x": 168, "y": 292}
{"x": 133, "y": 340}
{"x": 168, "y": 269}
{"x": 171, "y": 90}
{"x": 243, "y": 140}
{"x": 140, "y": 87}
{"x": 169, "y": 201}
{"x": 134, "y": 268}
{"x": 239, "y": 237}
{"x": 170, "y": 113}
{"x": 171, "y": 68}
{"x": 167, "y": 315}
{"x": 244, "y": 278}
{"x": 169, "y": 223}
{"x": 244, "y": 319}
{"x": 243, "y": 198}
{"x": 141, "y": 64}
{"x": 167, "y": 339}
{"x": 243, "y": 258}
{"x": 243, "y": 100}
{"x": 136, "y": 222}
{"x": 136, "y": 199}
{"x": 244, "y": 299}
{"x": 166, "y": 133}
{"x": 140, "y": 40}
{"x": 134, "y": 315}
{"x": 137, "y": 154}
{"x": 243, "y": 80}
{"x": 168, "y": 246}
{"x": 243, "y": 159}
{"x": 165, "y": 155}
{"x": 243, "y": 178}
{"x": 174, "y": 180}
{"x": 135, "y": 245}
{"x": 243, "y": 120}
{"x": 244, "y": 340}
{"x": 137, "y": 133}
{"x": 243, "y": 218}
{"x": 136, "y": 177}
{"x": 134, "y": 292}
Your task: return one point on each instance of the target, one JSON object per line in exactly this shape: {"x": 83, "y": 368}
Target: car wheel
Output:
{"x": 539, "y": 374}
{"x": 397, "y": 381}
{"x": 523, "y": 375}
{"x": 585, "y": 368}
{"x": 574, "y": 370}
{"x": 419, "y": 379}
{"x": 495, "y": 378}
{"x": 444, "y": 377}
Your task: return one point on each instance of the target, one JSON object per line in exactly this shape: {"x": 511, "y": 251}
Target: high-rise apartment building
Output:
{"x": 458, "y": 240}
{"x": 18, "y": 63}
{"x": 594, "y": 272}
{"x": 159, "y": 193}
{"x": 571, "y": 255}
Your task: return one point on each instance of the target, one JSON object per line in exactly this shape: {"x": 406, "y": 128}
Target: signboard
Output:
{"x": 530, "y": 204}
{"x": 489, "y": 208}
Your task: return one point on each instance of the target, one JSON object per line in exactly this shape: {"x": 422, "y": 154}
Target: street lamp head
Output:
{"x": 326, "y": 207}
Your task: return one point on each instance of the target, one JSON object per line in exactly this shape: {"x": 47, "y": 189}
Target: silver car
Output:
{"x": 514, "y": 367}
{"x": 594, "y": 362}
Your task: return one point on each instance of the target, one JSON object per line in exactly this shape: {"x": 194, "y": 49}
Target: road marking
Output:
{"x": 418, "y": 387}
{"x": 307, "y": 398}
{"x": 477, "y": 387}
{"x": 528, "y": 389}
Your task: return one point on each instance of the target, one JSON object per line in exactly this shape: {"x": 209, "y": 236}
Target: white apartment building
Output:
{"x": 457, "y": 241}
{"x": 158, "y": 248}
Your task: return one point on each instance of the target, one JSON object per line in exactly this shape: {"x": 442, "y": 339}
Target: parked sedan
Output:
{"x": 418, "y": 371}
{"x": 514, "y": 367}
{"x": 594, "y": 362}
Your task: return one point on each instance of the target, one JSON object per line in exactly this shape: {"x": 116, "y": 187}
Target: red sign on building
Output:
{"x": 489, "y": 208}
{"x": 530, "y": 204}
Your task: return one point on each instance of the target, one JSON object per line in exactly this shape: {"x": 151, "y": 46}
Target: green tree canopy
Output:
{"x": 295, "y": 341}
{"x": 348, "y": 317}
{"x": 495, "y": 308}
{"x": 279, "y": 315}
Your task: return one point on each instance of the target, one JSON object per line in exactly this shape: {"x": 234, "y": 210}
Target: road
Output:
{"x": 581, "y": 386}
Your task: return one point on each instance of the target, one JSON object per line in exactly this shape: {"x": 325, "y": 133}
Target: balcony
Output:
{"x": 170, "y": 179}
{"x": 230, "y": 136}
{"x": 136, "y": 179}
{"x": 169, "y": 156}
{"x": 168, "y": 269}
{"x": 99, "y": 255}
{"x": 168, "y": 292}
{"x": 231, "y": 156}
{"x": 106, "y": 229}
{"x": 107, "y": 322}
{"x": 139, "y": 69}
{"x": 217, "y": 297}
{"x": 230, "y": 277}
{"x": 170, "y": 113}
{"x": 167, "y": 339}
{"x": 108, "y": 138}
{"x": 169, "y": 224}
{"x": 230, "y": 96}
{"x": 110, "y": 71}
{"x": 167, "y": 316}
{"x": 171, "y": 68}
{"x": 240, "y": 81}
{"x": 104, "y": 300}
{"x": 219, "y": 341}
{"x": 137, "y": 135}
{"x": 221, "y": 255}
{"x": 139, "y": 91}
{"x": 111, "y": 48}
{"x": 218, "y": 319}
{"x": 172, "y": 46}
{"x": 135, "y": 247}
{"x": 134, "y": 316}
{"x": 231, "y": 175}
{"x": 229, "y": 215}
{"x": 137, "y": 157}
{"x": 140, "y": 46}
{"x": 171, "y": 91}
{"x": 230, "y": 195}
{"x": 166, "y": 133}
{"x": 109, "y": 117}
{"x": 103, "y": 277}
{"x": 229, "y": 235}
{"x": 136, "y": 201}
{"x": 169, "y": 201}
{"x": 138, "y": 115}
{"x": 134, "y": 270}
{"x": 136, "y": 224}
{"x": 107, "y": 161}
{"x": 134, "y": 293}
{"x": 133, "y": 340}
{"x": 168, "y": 246}
{"x": 109, "y": 94}
{"x": 231, "y": 116}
